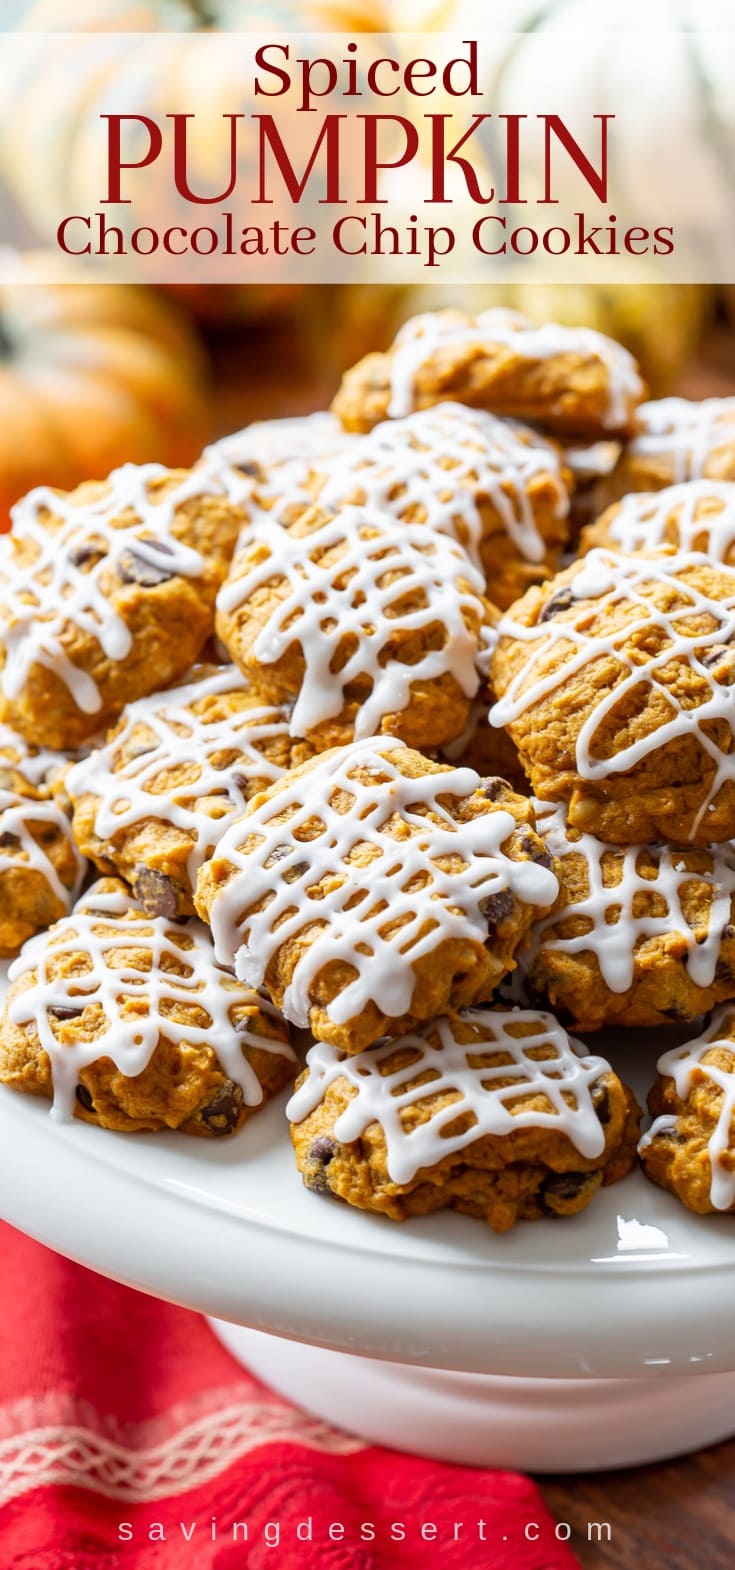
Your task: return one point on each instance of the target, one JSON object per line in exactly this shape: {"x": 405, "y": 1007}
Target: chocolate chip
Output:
{"x": 561, "y": 1186}
{"x": 137, "y": 569}
{"x": 675, "y": 1136}
{"x": 534, "y": 849}
{"x": 497, "y": 907}
{"x": 251, "y": 469}
{"x": 320, "y": 1153}
{"x": 677, "y": 1014}
{"x": 84, "y": 1098}
{"x": 222, "y": 1114}
{"x": 62, "y": 1011}
{"x": 87, "y": 555}
{"x": 155, "y": 892}
{"x": 601, "y": 1101}
{"x": 494, "y": 788}
{"x": 10, "y": 841}
{"x": 714, "y": 654}
{"x": 561, "y": 601}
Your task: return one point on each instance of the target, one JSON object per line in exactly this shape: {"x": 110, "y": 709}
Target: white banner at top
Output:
{"x": 561, "y": 154}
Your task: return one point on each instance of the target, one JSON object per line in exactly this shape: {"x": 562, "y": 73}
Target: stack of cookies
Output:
{"x": 354, "y": 748}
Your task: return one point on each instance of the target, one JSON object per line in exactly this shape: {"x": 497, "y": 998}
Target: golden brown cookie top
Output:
{"x": 627, "y": 660}
{"x": 689, "y": 439}
{"x": 271, "y": 457}
{"x": 373, "y": 608}
{"x": 699, "y": 1084}
{"x": 480, "y": 1074}
{"x": 698, "y": 515}
{"x": 110, "y": 982}
{"x": 571, "y": 379}
{"x": 191, "y": 756}
{"x": 377, "y": 856}
{"x": 75, "y": 561}
{"x": 615, "y": 900}
{"x": 440, "y": 465}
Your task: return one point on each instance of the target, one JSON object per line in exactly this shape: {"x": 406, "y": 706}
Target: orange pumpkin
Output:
{"x": 49, "y": 117}
{"x": 92, "y": 376}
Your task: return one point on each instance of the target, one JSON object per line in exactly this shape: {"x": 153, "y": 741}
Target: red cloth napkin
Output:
{"x": 131, "y": 1440}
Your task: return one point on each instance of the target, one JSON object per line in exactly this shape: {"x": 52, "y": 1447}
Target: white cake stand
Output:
{"x": 605, "y": 1340}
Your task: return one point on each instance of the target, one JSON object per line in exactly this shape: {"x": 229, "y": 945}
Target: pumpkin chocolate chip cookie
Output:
{"x": 126, "y": 1020}
{"x": 179, "y": 767}
{"x": 571, "y": 380}
{"x": 696, "y": 516}
{"x": 372, "y": 889}
{"x": 615, "y": 681}
{"x": 495, "y": 486}
{"x": 677, "y": 439}
{"x": 640, "y": 934}
{"x": 106, "y": 593}
{"x": 367, "y": 626}
{"x": 496, "y": 1114}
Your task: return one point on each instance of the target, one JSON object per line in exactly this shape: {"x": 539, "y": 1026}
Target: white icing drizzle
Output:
{"x": 445, "y": 461}
{"x": 686, "y": 432}
{"x": 686, "y": 1065}
{"x": 545, "y": 1062}
{"x": 103, "y": 925}
{"x": 593, "y": 461}
{"x": 43, "y": 597}
{"x": 378, "y": 918}
{"x": 215, "y": 760}
{"x": 272, "y": 457}
{"x": 644, "y": 518}
{"x": 615, "y": 933}
{"x": 350, "y": 597}
{"x": 611, "y": 580}
{"x": 19, "y": 848}
{"x": 36, "y": 764}
{"x": 424, "y": 336}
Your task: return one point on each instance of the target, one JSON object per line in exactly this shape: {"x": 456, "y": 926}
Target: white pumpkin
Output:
{"x": 666, "y": 67}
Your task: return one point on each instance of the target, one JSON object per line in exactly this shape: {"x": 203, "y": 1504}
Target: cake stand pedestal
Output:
{"x": 603, "y": 1340}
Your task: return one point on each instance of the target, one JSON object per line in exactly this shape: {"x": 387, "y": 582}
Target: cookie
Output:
{"x": 569, "y": 379}
{"x": 690, "y": 1147}
{"x": 676, "y": 439}
{"x": 640, "y": 935}
{"x": 372, "y": 889}
{"x": 696, "y": 516}
{"x": 127, "y": 1021}
{"x": 152, "y": 803}
{"x": 496, "y": 1114}
{"x": 615, "y": 682}
{"x": 270, "y": 457}
{"x": 106, "y": 593}
{"x": 40, "y": 868}
{"x": 367, "y": 626}
{"x": 495, "y": 486}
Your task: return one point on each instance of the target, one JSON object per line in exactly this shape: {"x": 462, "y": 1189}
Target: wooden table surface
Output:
{"x": 677, "y": 1516}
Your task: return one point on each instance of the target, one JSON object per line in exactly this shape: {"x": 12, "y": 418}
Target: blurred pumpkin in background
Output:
{"x": 50, "y": 151}
{"x": 92, "y": 376}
